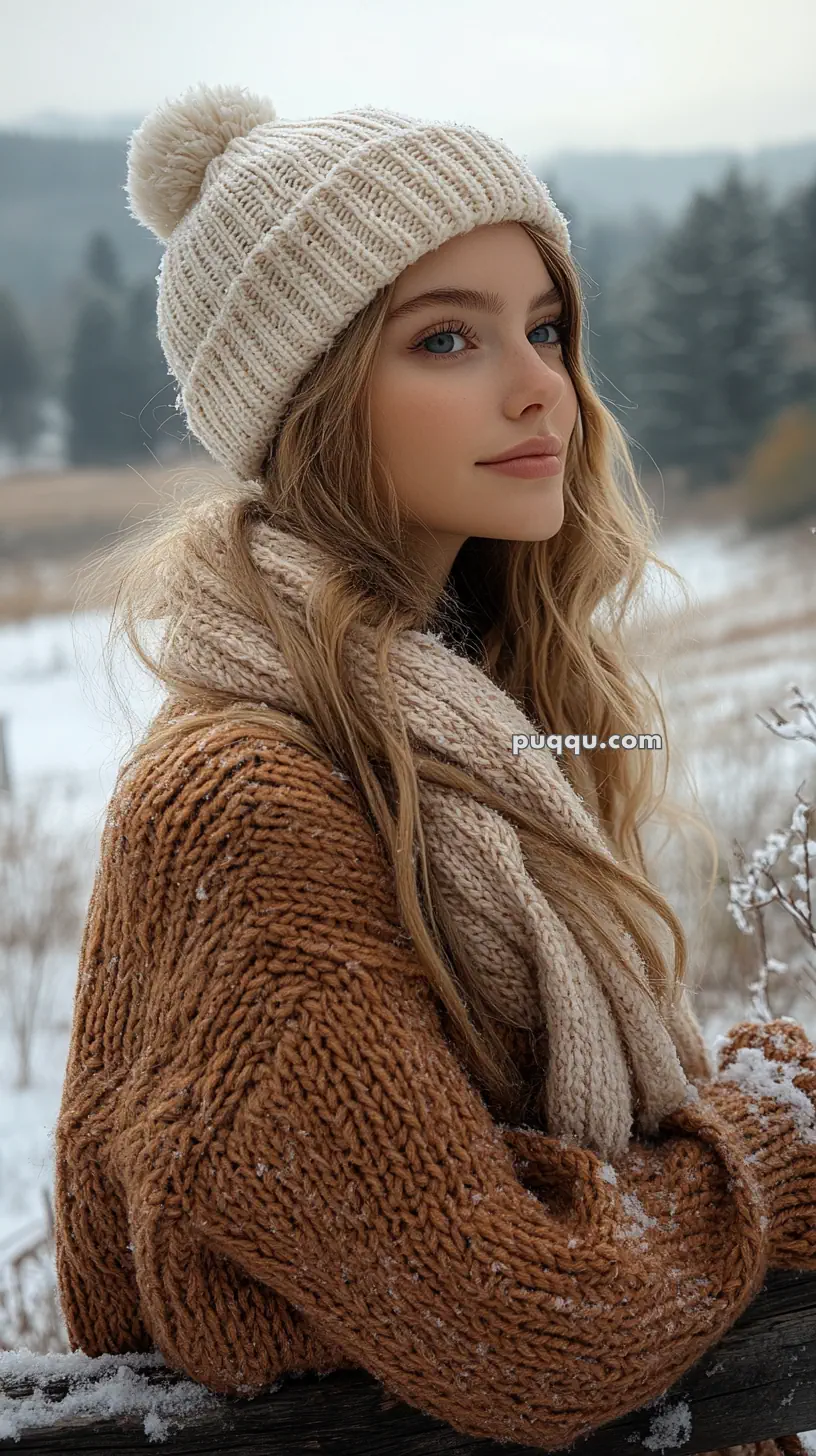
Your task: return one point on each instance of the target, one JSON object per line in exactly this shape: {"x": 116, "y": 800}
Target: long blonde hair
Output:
{"x": 544, "y": 619}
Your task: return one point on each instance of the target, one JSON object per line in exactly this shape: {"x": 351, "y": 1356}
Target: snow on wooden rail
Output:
{"x": 759, "y": 1382}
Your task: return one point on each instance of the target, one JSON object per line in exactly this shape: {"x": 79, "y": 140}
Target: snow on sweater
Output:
{"x": 269, "y": 1158}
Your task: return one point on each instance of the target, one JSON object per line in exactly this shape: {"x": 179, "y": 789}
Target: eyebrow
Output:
{"x": 469, "y": 298}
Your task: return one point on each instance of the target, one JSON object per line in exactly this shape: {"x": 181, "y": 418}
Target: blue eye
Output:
{"x": 455, "y": 326}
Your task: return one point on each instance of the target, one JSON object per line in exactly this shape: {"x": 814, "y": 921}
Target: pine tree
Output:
{"x": 117, "y": 391}
{"x": 93, "y": 389}
{"x": 102, "y": 263}
{"x": 796, "y": 243}
{"x": 612, "y": 255}
{"x": 20, "y": 380}
{"x": 755, "y": 379}
{"x": 704, "y": 343}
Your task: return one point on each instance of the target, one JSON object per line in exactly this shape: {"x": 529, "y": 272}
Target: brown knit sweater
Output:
{"x": 270, "y": 1159}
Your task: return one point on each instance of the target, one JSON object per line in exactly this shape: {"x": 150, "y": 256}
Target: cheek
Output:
{"x": 417, "y": 409}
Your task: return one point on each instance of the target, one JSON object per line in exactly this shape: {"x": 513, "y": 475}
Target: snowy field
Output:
{"x": 753, "y": 631}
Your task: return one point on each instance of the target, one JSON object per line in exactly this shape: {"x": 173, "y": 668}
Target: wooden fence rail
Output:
{"x": 759, "y": 1382}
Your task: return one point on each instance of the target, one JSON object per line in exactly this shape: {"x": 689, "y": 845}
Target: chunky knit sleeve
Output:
{"x": 289, "y": 1109}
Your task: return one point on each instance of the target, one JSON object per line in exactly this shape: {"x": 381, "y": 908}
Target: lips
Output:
{"x": 537, "y": 445}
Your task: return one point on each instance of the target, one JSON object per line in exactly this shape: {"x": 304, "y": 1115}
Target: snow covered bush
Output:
{"x": 782, "y": 874}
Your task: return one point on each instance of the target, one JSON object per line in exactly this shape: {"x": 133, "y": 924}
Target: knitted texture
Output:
{"x": 598, "y": 1019}
{"x": 269, "y": 1159}
{"x": 279, "y": 232}
{"x": 789, "y": 1077}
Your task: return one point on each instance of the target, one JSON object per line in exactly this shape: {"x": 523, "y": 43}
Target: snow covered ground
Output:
{"x": 66, "y": 733}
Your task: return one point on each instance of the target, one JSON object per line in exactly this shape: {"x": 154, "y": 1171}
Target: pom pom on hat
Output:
{"x": 169, "y": 153}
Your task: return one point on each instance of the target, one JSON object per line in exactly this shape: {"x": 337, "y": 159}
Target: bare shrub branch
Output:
{"x": 765, "y": 882}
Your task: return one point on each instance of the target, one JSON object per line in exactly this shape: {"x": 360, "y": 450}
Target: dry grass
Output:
{"x": 717, "y": 666}
{"x": 34, "y": 588}
{"x": 678, "y": 508}
{"x": 52, "y": 522}
{"x": 99, "y": 499}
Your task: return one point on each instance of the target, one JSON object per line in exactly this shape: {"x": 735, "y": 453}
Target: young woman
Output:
{"x": 382, "y": 1051}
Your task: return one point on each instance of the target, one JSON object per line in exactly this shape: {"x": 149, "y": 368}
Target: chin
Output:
{"x": 540, "y": 530}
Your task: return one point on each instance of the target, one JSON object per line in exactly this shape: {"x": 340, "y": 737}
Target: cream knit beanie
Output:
{"x": 279, "y": 232}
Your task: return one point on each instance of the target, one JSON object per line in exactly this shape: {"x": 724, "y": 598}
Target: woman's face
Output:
{"x": 443, "y": 401}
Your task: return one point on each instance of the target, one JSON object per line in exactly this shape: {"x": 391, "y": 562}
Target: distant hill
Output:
{"x": 614, "y": 184}
{"x": 73, "y": 125}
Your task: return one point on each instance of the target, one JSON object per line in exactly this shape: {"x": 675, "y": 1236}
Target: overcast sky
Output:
{"x": 599, "y": 74}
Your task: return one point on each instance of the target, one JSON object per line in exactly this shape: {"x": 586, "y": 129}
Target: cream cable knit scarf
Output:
{"x": 601, "y": 1027}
